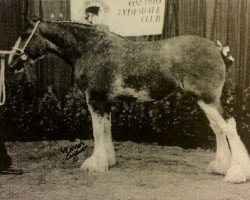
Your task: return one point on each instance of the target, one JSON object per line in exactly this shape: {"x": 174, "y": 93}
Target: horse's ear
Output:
{"x": 36, "y": 19}
{"x": 30, "y": 22}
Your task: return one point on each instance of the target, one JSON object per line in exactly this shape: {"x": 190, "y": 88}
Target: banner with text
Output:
{"x": 127, "y": 17}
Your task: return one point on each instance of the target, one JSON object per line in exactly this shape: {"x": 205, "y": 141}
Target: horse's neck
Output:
{"x": 74, "y": 40}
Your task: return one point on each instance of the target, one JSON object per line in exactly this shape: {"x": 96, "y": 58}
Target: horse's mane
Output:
{"x": 68, "y": 22}
{"x": 73, "y": 23}
{"x": 76, "y": 25}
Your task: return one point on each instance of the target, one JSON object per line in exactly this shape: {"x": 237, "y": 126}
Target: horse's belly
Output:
{"x": 131, "y": 94}
{"x": 139, "y": 91}
{"x": 122, "y": 91}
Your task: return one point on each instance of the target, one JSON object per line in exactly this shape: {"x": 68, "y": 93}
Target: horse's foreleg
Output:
{"x": 108, "y": 141}
{"x": 103, "y": 155}
{"x": 239, "y": 170}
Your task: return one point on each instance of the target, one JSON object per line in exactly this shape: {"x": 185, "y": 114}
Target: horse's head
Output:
{"x": 65, "y": 39}
{"x": 29, "y": 46}
{"x": 38, "y": 39}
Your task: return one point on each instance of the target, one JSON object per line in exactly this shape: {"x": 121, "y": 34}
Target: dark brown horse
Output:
{"x": 108, "y": 66}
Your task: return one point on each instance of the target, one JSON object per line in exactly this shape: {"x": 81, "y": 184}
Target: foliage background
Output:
{"x": 175, "y": 120}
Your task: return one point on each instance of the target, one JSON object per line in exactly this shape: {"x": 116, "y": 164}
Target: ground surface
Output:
{"x": 143, "y": 171}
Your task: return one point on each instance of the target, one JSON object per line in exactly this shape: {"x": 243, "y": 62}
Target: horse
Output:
{"x": 108, "y": 67}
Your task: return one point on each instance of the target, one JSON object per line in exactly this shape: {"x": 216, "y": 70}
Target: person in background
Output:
{"x": 96, "y": 12}
{"x": 5, "y": 159}
{"x": 92, "y": 14}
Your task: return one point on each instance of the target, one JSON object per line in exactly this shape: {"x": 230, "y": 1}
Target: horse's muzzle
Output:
{"x": 17, "y": 62}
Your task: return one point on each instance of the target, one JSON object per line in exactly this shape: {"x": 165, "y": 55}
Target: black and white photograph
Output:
{"x": 124, "y": 99}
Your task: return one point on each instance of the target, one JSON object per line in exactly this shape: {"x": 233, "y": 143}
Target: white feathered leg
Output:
{"x": 239, "y": 170}
{"x": 222, "y": 160}
{"x": 103, "y": 155}
{"x": 108, "y": 142}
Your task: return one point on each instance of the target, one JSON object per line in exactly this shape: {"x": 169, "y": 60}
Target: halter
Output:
{"x": 20, "y": 51}
{"x": 15, "y": 51}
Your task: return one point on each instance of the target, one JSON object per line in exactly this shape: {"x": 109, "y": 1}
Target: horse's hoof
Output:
{"x": 215, "y": 167}
{"x": 235, "y": 175}
{"x": 93, "y": 164}
{"x": 12, "y": 171}
{"x": 112, "y": 161}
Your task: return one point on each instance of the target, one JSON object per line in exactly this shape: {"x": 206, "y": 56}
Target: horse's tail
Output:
{"x": 225, "y": 54}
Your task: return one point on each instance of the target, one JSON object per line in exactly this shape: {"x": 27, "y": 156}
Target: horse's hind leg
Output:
{"x": 239, "y": 169}
{"x": 103, "y": 155}
{"x": 222, "y": 160}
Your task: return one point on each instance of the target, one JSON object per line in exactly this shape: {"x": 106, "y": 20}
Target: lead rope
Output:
{"x": 2, "y": 82}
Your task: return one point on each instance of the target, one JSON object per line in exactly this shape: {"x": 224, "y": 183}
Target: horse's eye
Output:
{"x": 25, "y": 34}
